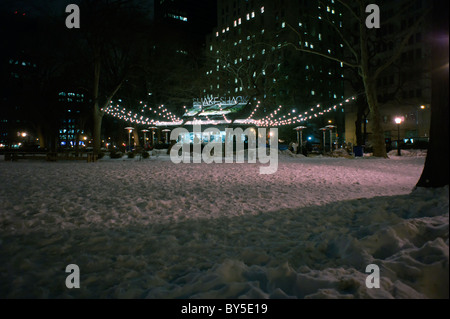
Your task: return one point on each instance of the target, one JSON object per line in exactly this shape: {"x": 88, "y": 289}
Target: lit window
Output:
{"x": 248, "y": 16}
{"x": 239, "y": 21}
{"x": 262, "y": 9}
{"x": 235, "y": 23}
{"x": 253, "y": 14}
{"x": 217, "y": 34}
{"x": 283, "y": 24}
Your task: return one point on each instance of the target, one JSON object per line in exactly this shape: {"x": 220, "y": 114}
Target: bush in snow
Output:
{"x": 115, "y": 154}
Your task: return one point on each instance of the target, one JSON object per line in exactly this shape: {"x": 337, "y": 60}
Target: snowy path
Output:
{"x": 152, "y": 229}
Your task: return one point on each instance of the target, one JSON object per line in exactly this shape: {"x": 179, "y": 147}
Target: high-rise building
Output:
{"x": 253, "y": 54}
{"x": 189, "y": 20}
{"x": 71, "y": 127}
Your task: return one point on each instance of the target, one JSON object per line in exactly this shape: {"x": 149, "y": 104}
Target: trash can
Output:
{"x": 358, "y": 151}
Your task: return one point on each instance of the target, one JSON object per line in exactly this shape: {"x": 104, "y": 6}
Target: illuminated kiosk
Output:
{"x": 220, "y": 113}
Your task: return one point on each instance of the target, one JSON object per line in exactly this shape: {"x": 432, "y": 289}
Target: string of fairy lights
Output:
{"x": 161, "y": 116}
{"x": 160, "y": 111}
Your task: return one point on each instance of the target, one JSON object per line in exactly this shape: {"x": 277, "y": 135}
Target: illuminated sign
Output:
{"x": 211, "y": 105}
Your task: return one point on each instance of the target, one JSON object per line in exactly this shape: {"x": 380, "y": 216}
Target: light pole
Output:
{"x": 153, "y": 128}
{"x": 145, "y": 137}
{"x": 324, "y": 130}
{"x": 398, "y": 121}
{"x": 166, "y": 131}
{"x": 300, "y": 137}
{"x": 331, "y": 127}
{"x": 130, "y": 129}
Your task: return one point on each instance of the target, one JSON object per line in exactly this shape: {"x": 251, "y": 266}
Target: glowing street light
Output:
{"x": 145, "y": 136}
{"x": 331, "y": 127}
{"x": 398, "y": 121}
{"x": 130, "y": 129}
{"x": 300, "y": 136}
{"x": 324, "y": 130}
{"x": 153, "y": 128}
{"x": 167, "y": 135}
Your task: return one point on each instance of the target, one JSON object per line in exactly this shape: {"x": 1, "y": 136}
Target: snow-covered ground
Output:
{"x": 153, "y": 229}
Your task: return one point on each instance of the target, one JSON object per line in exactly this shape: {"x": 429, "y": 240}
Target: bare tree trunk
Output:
{"x": 41, "y": 136}
{"x": 436, "y": 171}
{"x": 77, "y": 144}
{"x": 379, "y": 145}
{"x": 97, "y": 113}
{"x": 378, "y": 141}
{"x": 361, "y": 104}
{"x": 98, "y": 117}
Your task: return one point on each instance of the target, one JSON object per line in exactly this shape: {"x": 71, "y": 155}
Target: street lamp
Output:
{"x": 324, "y": 130}
{"x": 167, "y": 135}
{"x": 145, "y": 137}
{"x": 153, "y": 128}
{"x": 130, "y": 129}
{"x": 398, "y": 121}
{"x": 331, "y": 127}
{"x": 300, "y": 136}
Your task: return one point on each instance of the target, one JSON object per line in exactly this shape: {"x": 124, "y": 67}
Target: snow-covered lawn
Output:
{"x": 153, "y": 229}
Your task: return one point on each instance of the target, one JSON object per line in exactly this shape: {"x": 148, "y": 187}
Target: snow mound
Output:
{"x": 409, "y": 153}
{"x": 153, "y": 229}
{"x": 341, "y": 153}
{"x": 290, "y": 154}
